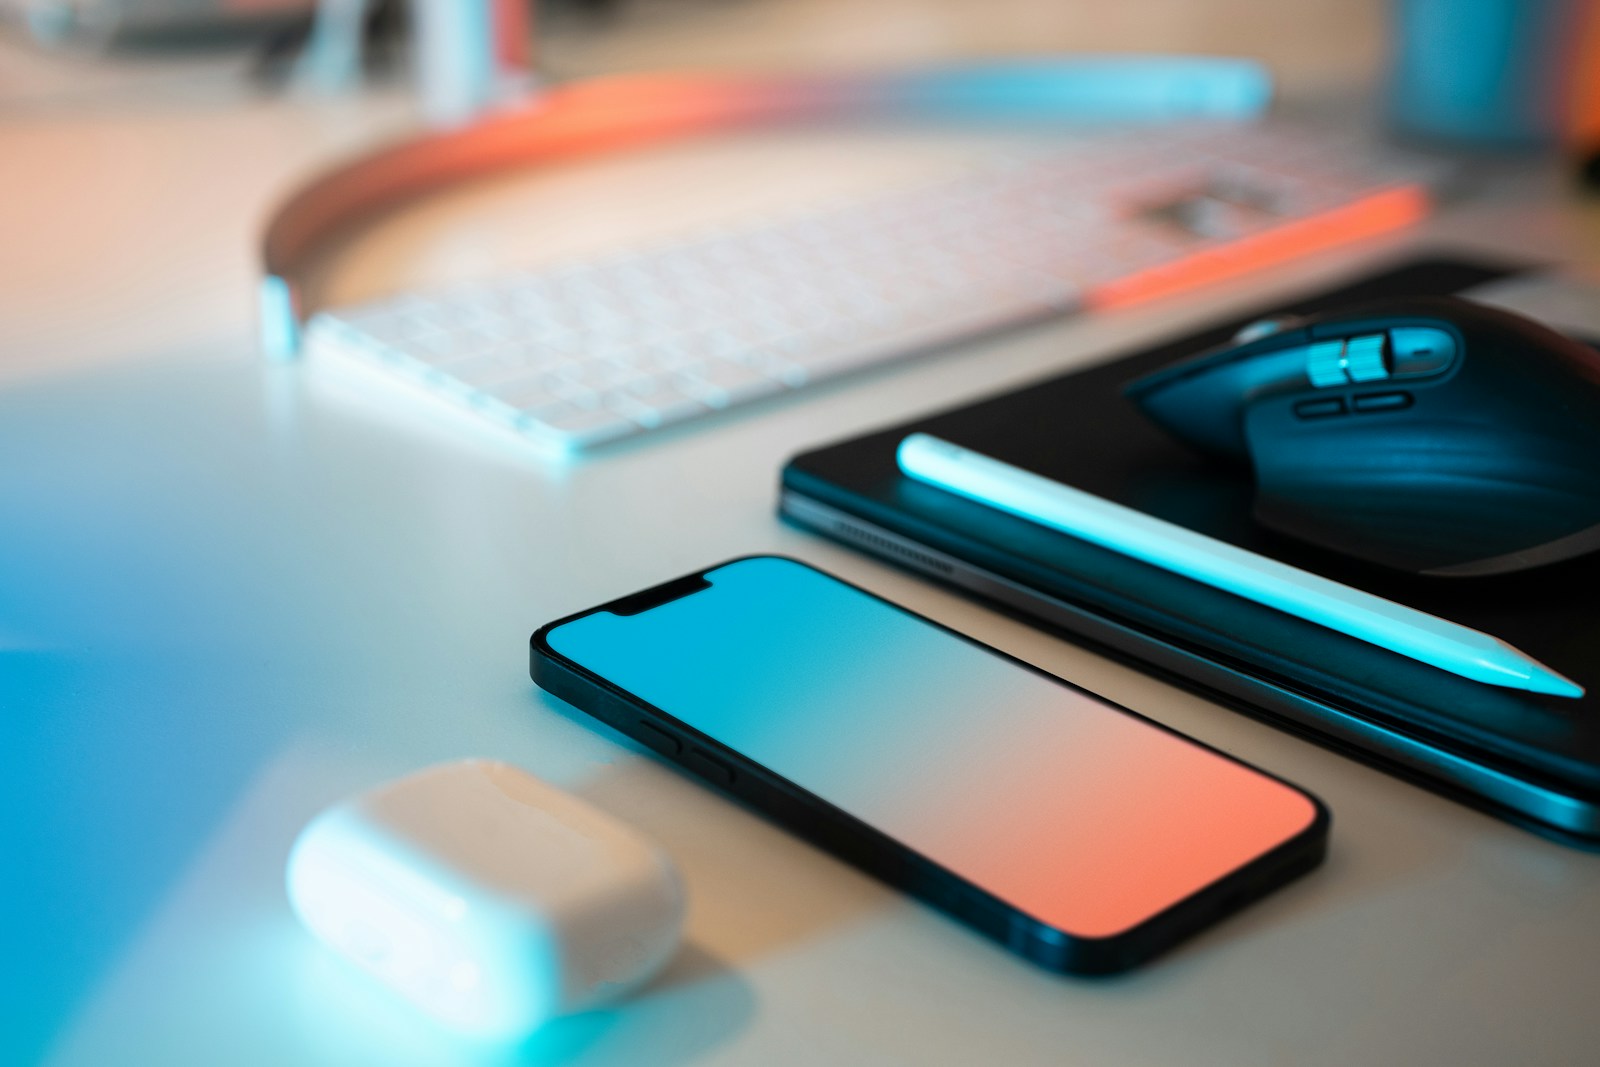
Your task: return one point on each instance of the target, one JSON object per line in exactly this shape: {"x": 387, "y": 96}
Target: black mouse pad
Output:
{"x": 1407, "y": 716}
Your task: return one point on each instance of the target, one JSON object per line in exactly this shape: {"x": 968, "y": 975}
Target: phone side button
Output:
{"x": 709, "y": 767}
{"x": 658, "y": 739}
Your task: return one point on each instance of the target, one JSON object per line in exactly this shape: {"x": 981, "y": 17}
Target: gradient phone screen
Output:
{"x": 1080, "y": 815}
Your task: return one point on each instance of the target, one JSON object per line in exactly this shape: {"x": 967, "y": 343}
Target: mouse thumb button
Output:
{"x": 1263, "y": 328}
{"x": 1417, "y": 351}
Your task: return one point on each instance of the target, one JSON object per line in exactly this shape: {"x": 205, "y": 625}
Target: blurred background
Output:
{"x": 1314, "y": 45}
{"x": 107, "y": 107}
{"x": 224, "y": 603}
{"x": 104, "y": 105}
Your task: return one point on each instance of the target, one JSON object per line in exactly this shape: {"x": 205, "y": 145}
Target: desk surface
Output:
{"x": 234, "y": 593}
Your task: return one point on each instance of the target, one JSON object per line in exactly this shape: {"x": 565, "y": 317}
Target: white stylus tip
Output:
{"x": 1545, "y": 680}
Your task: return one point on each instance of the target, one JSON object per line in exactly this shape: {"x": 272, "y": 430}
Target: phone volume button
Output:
{"x": 709, "y": 767}
{"x": 658, "y": 739}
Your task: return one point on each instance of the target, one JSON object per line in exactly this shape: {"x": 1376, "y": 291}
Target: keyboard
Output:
{"x": 582, "y": 353}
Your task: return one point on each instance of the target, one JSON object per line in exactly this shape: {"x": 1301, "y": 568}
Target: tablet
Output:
{"x": 1531, "y": 759}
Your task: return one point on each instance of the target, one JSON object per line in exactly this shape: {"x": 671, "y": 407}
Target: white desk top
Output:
{"x": 233, "y": 594}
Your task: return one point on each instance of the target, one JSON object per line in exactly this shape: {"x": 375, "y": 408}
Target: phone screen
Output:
{"x": 1076, "y": 812}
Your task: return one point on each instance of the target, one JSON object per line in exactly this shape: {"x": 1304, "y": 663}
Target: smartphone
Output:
{"x": 1078, "y": 833}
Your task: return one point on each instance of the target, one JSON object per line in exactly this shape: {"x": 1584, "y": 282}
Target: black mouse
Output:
{"x": 1432, "y": 435}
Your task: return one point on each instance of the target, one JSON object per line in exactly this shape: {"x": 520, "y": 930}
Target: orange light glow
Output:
{"x": 583, "y": 119}
{"x": 1367, "y": 217}
{"x": 1584, "y": 120}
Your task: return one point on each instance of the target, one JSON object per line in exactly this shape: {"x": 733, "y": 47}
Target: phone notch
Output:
{"x": 666, "y": 593}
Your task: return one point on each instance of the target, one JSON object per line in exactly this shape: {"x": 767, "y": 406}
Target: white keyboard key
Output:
{"x": 531, "y": 394}
{"x": 653, "y": 405}
{"x": 719, "y": 385}
{"x": 483, "y": 372}
{"x": 598, "y": 375}
{"x": 579, "y": 396}
{"x": 780, "y": 368}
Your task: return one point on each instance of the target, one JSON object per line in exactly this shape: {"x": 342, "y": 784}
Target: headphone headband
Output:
{"x": 609, "y": 114}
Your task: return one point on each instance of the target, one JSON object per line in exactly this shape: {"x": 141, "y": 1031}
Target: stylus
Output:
{"x": 1416, "y": 634}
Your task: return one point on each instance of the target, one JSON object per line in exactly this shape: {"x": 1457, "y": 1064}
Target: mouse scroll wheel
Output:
{"x": 1354, "y": 360}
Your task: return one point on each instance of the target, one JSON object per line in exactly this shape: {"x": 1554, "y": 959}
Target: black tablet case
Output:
{"x": 1079, "y": 429}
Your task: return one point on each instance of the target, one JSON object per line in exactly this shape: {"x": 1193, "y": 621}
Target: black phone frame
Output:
{"x": 849, "y": 838}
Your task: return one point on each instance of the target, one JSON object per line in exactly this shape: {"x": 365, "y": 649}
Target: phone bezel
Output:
{"x": 817, "y": 820}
